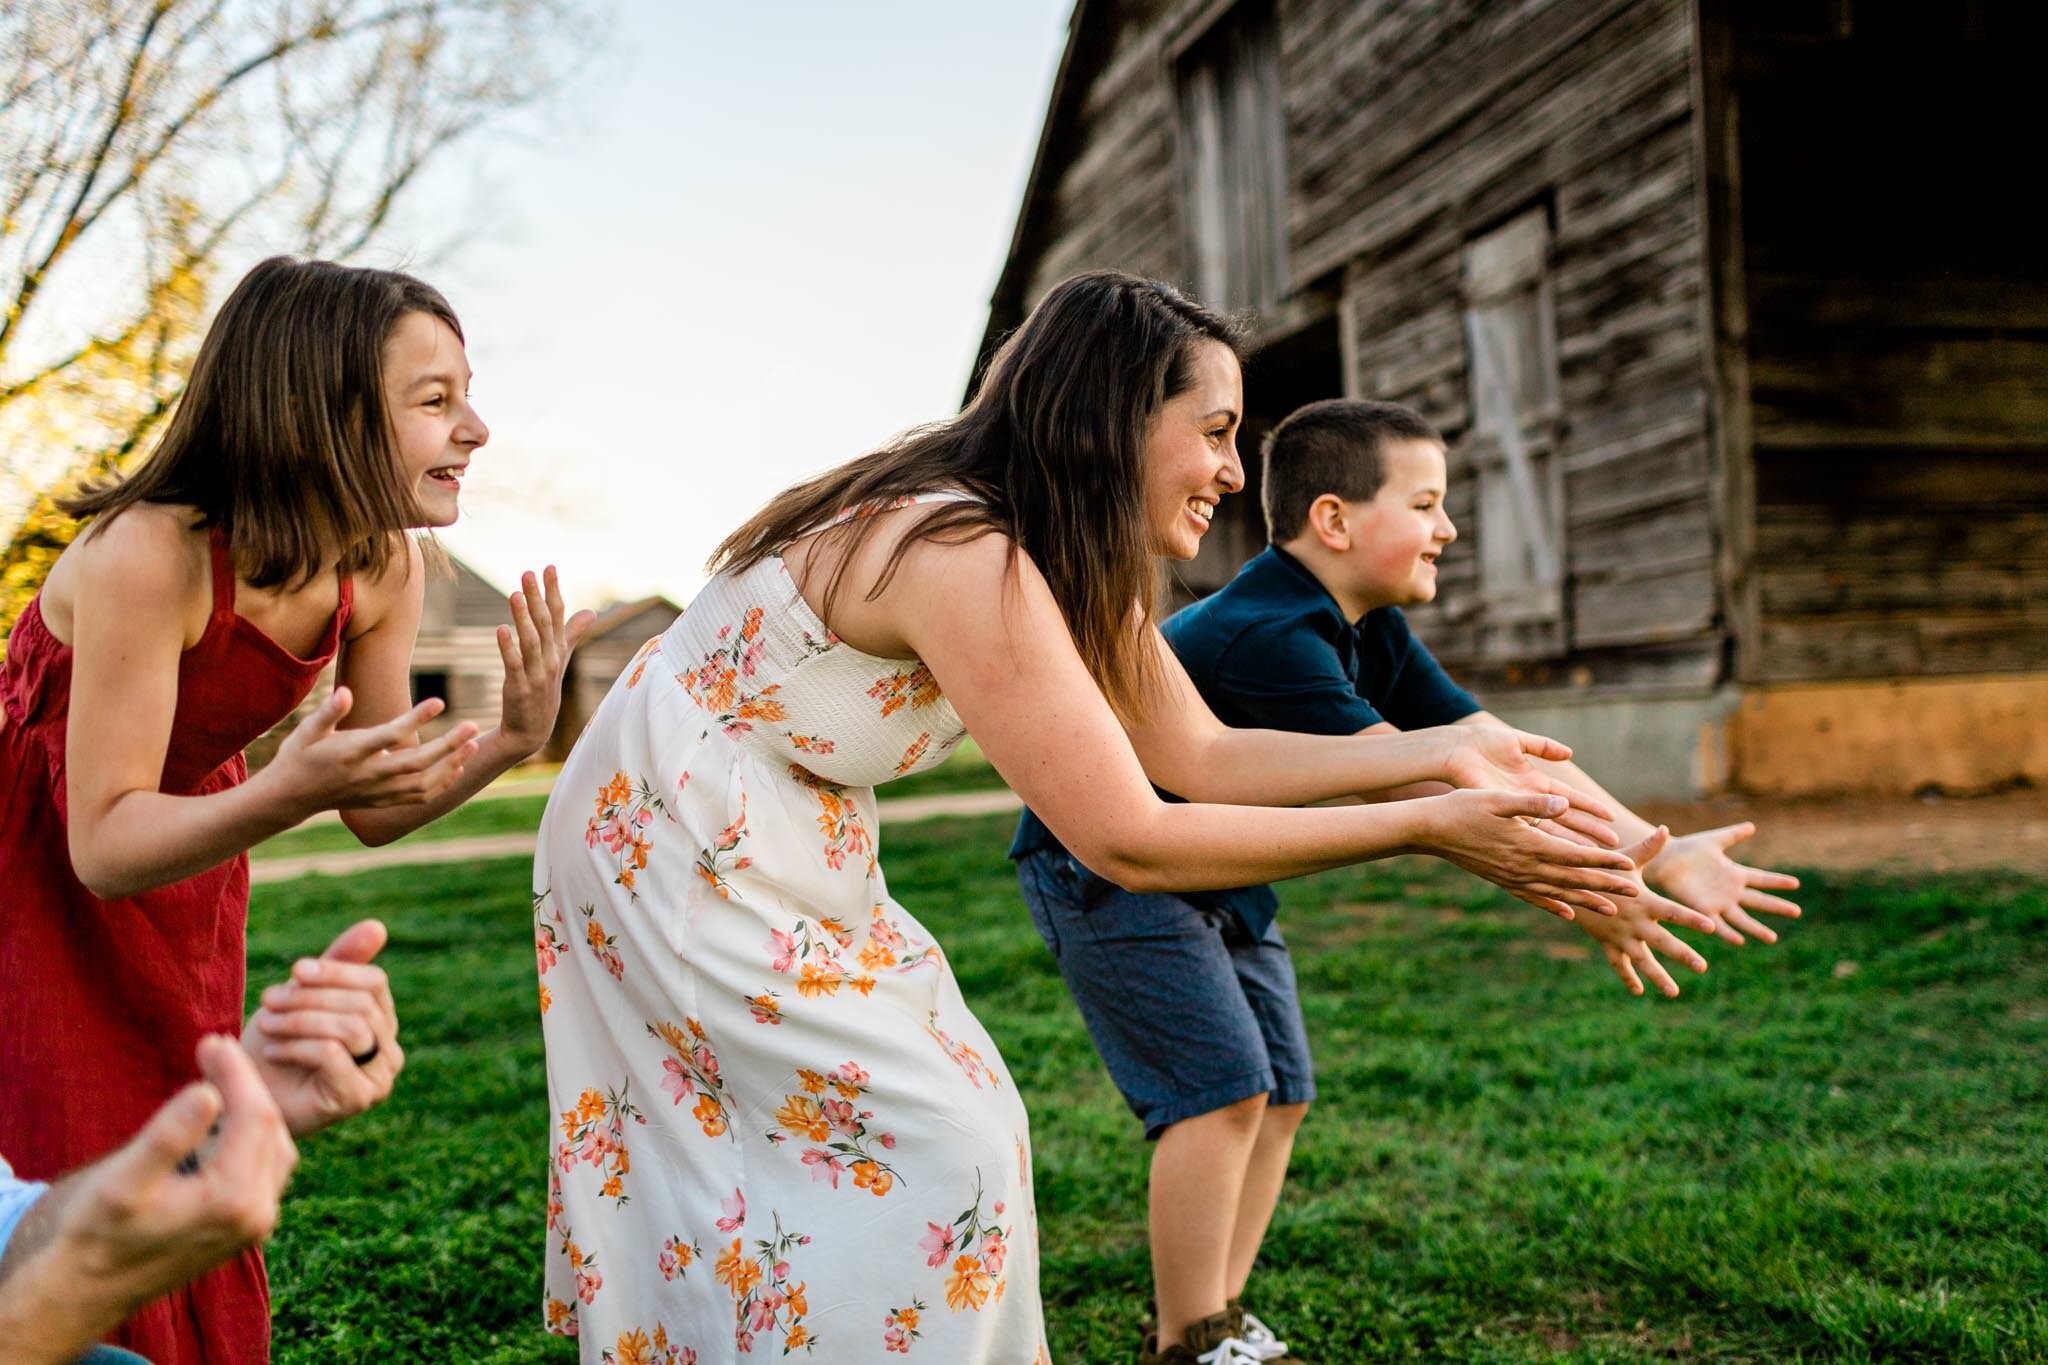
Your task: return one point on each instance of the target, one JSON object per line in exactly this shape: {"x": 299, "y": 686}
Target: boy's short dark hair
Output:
{"x": 1331, "y": 447}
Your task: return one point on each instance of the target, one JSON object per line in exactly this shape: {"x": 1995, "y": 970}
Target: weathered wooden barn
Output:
{"x": 1733, "y": 312}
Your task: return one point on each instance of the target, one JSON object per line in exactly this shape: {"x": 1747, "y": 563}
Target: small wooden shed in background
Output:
{"x": 1734, "y": 312}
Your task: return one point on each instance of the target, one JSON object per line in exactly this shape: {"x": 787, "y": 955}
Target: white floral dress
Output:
{"x": 777, "y": 1128}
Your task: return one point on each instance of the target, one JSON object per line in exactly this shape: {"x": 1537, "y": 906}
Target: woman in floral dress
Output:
{"x": 778, "y": 1127}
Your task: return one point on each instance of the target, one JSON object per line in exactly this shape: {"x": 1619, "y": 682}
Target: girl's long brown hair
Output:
{"x": 282, "y": 435}
{"x": 1052, "y": 446}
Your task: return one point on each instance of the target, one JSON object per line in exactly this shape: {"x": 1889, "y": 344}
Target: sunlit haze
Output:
{"x": 749, "y": 243}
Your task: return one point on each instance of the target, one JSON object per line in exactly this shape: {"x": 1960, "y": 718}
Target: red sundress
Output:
{"x": 103, "y": 1002}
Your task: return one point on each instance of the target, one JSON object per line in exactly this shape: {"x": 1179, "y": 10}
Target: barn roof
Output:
{"x": 617, "y": 614}
{"x": 1085, "y": 32}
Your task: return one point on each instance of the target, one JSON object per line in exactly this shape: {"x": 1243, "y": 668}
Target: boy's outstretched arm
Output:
{"x": 1693, "y": 870}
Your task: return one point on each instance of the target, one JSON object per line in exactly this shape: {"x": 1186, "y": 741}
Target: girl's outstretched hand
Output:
{"x": 1633, "y": 938}
{"x": 321, "y": 766}
{"x": 536, "y": 649}
{"x": 1500, "y": 758}
{"x": 1489, "y": 834}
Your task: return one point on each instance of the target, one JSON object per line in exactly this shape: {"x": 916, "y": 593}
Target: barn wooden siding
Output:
{"x": 1412, "y": 128}
{"x": 1799, "y": 424}
{"x": 1893, "y": 305}
{"x": 1417, "y": 128}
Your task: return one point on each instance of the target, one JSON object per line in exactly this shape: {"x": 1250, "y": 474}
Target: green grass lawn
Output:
{"x": 964, "y": 770}
{"x": 1828, "y": 1151}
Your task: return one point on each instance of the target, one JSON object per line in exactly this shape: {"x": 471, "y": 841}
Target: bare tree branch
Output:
{"x": 138, "y": 149}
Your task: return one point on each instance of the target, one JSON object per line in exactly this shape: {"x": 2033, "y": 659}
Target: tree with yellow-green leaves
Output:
{"x": 147, "y": 144}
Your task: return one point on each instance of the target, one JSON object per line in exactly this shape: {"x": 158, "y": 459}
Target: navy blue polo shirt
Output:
{"x": 1271, "y": 650}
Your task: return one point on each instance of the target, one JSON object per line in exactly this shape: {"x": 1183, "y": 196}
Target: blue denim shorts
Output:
{"x": 1189, "y": 1012}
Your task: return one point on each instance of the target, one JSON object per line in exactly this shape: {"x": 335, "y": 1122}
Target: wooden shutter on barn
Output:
{"x": 1232, "y": 154}
{"x": 1511, "y": 351}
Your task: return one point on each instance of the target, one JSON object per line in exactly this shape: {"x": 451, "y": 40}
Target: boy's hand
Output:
{"x": 311, "y": 1029}
{"x": 536, "y": 649}
{"x": 1500, "y": 758}
{"x": 1632, "y": 938}
{"x": 1698, "y": 871}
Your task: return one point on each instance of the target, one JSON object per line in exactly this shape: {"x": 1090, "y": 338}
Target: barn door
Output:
{"x": 1511, "y": 352}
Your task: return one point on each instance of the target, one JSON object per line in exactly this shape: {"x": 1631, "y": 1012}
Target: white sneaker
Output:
{"x": 1260, "y": 1340}
{"x": 1230, "y": 1351}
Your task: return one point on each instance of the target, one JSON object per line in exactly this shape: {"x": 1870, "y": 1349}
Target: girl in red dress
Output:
{"x": 327, "y": 414}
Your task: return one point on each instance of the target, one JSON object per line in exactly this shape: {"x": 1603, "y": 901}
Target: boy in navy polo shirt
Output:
{"x": 1191, "y": 998}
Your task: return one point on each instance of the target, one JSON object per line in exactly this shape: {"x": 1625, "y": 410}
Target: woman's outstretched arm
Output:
{"x": 1189, "y": 752}
{"x": 983, "y": 620}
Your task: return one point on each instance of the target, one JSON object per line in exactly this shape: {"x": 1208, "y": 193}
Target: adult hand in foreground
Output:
{"x": 1490, "y": 834}
{"x": 130, "y": 1228}
{"x": 326, "y": 1041}
{"x": 1499, "y": 758}
{"x": 1697, "y": 870}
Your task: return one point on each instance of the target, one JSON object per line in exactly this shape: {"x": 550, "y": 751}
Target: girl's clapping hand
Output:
{"x": 321, "y": 766}
{"x": 536, "y": 649}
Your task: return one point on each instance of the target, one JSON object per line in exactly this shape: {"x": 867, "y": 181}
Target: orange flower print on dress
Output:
{"x": 588, "y": 1280}
{"x": 720, "y": 684}
{"x": 968, "y": 1286}
{"x": 640, "y": 662}
{"x": 635, "y": 1348}
{"x": 603, "y": 946}
{"x": 811, "y": 744}
{"x": 766, "y": 1303}
{"x": 840, "y": 1127}
{"x": 594, "y": 1130}
{"x": 839, "y": 820}
{"x": 561, "y": 1318}
{"x": 766, "y": 1007}
{"x": 548, "y": 945}
{"x": 915, "y": 752}
{"x": 677, "y": 1256}
{"x": 886, "y": 945}
{"x": 809, "y": 949}
{"x": 899, "y": 1327}
{"x": 966, "y": 1058}
{"x": 720, "y": 860}
{"x": 915, "y": 688}
{"x": 693, "y": 1070}
{"x": 978, "y": 1247}
{"x": 625, "y": 812}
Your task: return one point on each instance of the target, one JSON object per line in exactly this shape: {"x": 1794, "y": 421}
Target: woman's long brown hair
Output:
{"x": 282, "y": 435}
{"x": 1052, "y": 446}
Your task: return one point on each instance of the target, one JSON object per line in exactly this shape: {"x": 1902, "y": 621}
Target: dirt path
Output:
{"x": 343, "y": 862}
{"x": 1930, "y": 834}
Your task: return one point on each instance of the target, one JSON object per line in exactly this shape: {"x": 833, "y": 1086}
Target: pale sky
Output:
{"x": 751, "y": 243}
